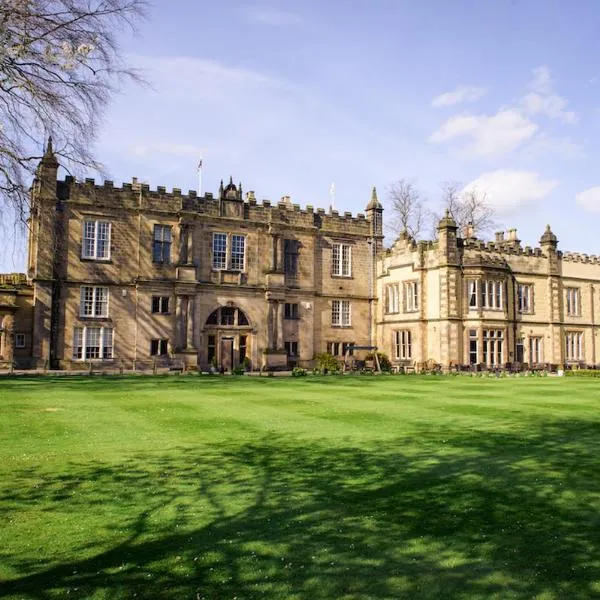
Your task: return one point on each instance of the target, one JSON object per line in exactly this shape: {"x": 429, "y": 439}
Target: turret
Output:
{"x": 548, "y": 241}
{"x": 44, "y": 185}
{"x": 374, "y": 214}
{"x": 447, "y": 243}
{"x": 231, "y": 200}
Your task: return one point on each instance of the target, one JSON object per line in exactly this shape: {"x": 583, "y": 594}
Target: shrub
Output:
{"x": 384, "y": 361}
{"x": 327, "y": 363}
{"x": 298, "y": 372}
{"x": 239, "y": 370}
{"x": 582, "y": 373}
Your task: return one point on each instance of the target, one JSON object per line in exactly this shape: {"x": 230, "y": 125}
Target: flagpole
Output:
{"x": 200, "y": 178}
{"x": 332, "y": 194}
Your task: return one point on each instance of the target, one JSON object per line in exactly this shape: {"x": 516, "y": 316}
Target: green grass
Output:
{"x": 310, "y": 488}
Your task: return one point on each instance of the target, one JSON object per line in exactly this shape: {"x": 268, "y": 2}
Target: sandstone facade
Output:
{"x": 128, "y": 276}
{"x": 131, "y": 276}
{"x": 460, "y": 301}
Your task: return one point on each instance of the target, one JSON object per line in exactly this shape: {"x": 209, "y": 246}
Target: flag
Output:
{"x": 200, "y": 164}
{"x": 332, "y": 189}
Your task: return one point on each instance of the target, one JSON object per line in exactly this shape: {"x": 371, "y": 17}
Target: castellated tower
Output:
{"x": 450, "y": 285}
{"x": 549, "y": 246}
{"x": 44, "y": 254}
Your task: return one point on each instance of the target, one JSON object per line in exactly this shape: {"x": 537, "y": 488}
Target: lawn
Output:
{"x": 309, "y": 488}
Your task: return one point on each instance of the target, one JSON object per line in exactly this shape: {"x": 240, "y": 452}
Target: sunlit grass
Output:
{"x": 309, "y": 488}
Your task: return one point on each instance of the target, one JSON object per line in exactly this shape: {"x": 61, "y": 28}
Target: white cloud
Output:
{"x": 589, "y": 199}
{"x": 507, "y": 190}
{"x": 543, "y": 101}
{"x": 490, "y": 135}
{"x": 545, "y": 144}
{"x": 463, "y": 93}
{"x": 272, "y": 16}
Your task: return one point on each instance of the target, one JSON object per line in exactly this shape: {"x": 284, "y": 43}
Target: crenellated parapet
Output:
{"x": 137, "y": 196}
{"x": 579, "y": 257}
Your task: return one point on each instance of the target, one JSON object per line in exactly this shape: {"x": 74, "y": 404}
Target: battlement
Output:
{"x": 138, "y": 196}
{"x": 580, "y": 257}
{"x": 13, "y": 279}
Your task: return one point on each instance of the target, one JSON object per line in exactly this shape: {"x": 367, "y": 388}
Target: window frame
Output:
{"x": 290, "y": 257}
{"x": 95, "y": 303}
{"x": 90, "y": 244}
{"x": 81, "y": 341}
{"x": 573, "y": 301}
{"x": 493, "y": 346}
{"x": 411, "y": 296}
{"x": 341, "y": 313}
{"x": 486, "y": 294}
{"x": 525, "y": 300}
{"x": 230, "y": 257}
{"x": 20, "y": 344}
{"x": 160, "y": 243}
{"x": 160, "y": 344}
{"x": 341, "y": 259}
{"x": 392, "y": 296}
{"x": 574, "y": 346}
{"x": 291, "y": 311}
{"x": 403, "y": 344}
{"x": 160, "y": 302}
{"x": 536, "y": 349}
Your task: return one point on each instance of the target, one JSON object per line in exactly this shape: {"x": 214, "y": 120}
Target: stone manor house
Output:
{"x": 133, "y": 277}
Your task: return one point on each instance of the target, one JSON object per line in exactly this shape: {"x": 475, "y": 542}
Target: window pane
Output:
{"x": 101, "y": 304}
{"x": 103, "y": 240}
{"x": 238, "y": 244}
{"x": 89, "y": 239}
{"x": 78, "y": 343}
{"x": 92, "y": 343}
{"x": 107, "y": 343}
{"x": 219, "y": 251}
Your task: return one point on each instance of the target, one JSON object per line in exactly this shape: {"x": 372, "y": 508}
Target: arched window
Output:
{"x": 228, "y": 316}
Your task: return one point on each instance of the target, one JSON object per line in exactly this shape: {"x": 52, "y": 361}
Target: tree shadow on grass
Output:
{"x": 476, "y": 515}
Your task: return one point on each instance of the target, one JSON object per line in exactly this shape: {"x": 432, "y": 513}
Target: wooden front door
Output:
{"x": 227, "y": 353}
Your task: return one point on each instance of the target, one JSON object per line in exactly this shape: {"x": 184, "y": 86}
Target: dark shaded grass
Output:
{"x": 501, "y": 503}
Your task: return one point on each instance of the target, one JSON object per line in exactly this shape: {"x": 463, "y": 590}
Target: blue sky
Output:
{"x": 289, "y": 96}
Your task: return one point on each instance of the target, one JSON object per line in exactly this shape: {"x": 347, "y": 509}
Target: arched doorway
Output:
{"x": 227, "y": 335}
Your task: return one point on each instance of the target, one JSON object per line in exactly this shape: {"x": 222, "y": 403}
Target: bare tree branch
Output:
{"x": 407, "y": 207}
{"x": 60, "y": 63}
{"x": 468, "y": 208}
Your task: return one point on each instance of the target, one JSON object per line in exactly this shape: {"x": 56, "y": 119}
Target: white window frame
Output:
{"x": 525, "y": 297}
{"x": 230, "y": 254}
{"x": 238, "y": 253}
{"x": 81, "y": 338}
{"x": 341, "y": 313}
{"x": 93, "y": 234}
{"x": 341, "y": 260}
{"x": 473, "y": 293}
{"x": 493, "y": 347}
{"x": 93, "y": 302}
{"x": 411, "y": 296}
{"x": 536, "y": 350}
{"x": 573, "y": 301}
{"x": 485, "y": 293}
{"x": 393, "y": 298}
{"x": 403, "y": 344}
{"x": 574, "y": 346}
